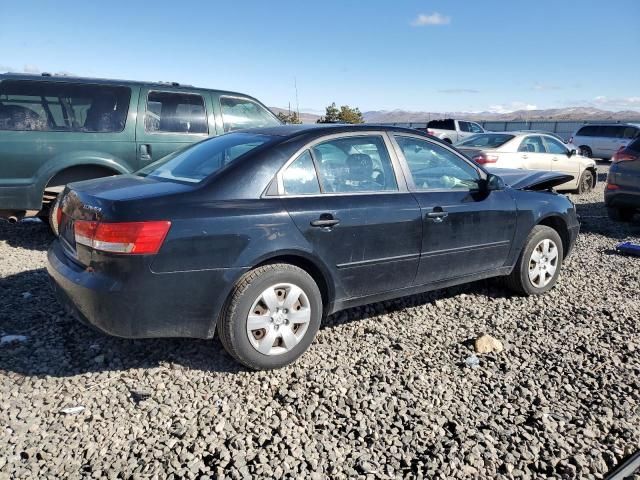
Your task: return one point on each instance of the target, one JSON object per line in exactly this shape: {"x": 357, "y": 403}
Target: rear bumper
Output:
{"x": 145, "y": 305}
{"x": 622, "y": 198}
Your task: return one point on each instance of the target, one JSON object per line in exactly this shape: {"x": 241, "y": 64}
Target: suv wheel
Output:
{"x": 620, "y": 214}
{"x": 586, "y": 151}
{"x": 539, "y": 264}
{"x": 271, "y": 317}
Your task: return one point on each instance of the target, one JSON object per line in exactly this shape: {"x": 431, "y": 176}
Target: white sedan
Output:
{"x": 531, "y": 151}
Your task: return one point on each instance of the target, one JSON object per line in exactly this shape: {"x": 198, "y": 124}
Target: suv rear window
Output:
{"x": 198, "y": 161}
{"x": 447, "y": 124}
{"x": 66, "y": 107}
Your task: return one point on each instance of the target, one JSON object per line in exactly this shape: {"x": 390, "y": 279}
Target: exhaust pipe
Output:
{"x": 13, "y": 219}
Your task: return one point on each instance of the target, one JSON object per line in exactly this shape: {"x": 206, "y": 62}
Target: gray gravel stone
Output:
{"x": 382, "y": 393}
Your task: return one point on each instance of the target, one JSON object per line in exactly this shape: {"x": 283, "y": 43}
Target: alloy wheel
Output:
{"x": 543, "y": 263}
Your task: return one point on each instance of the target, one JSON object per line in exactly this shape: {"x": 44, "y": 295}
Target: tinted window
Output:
{"x": 54, "y": 106}
{"x": 630, "y": 132}
{"x": 447, "y": 124}
{"x": 588, "y": 131}
{"x": 435, "y": 168}
{"x": 175, "y": 112}
{"x": 354, "y": 164}
{"x": 300, "y": 177}
{"x": 635, "y": 145}
{"x": 464, "y": 126}
{"x": 200, "y": 160}
{"x": 554, "y": 146}
{"x": 239, "y": 113}
{"x": 475, "y": 128}
{"x": 610, "y": 131}
{"x": 486, "y": 140}
{"x": 532, "y": 144}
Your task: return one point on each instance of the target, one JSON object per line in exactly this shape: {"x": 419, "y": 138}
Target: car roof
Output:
{"x": 45, "y": 77}
{"x": 623, "y": 124}
{"x": 319, "y": 129}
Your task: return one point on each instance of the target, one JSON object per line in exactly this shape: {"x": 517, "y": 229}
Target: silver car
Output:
{"x": 531, "y": 151}
{"x": 604, "y": 140}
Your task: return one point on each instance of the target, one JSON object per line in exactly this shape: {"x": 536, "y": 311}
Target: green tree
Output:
{"x": 344, "y": 114}
{"x": 291, "y": 117}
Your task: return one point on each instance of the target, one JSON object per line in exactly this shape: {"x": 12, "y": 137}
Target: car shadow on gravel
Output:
{"x": 594, "y": 219}
{"x": 55, "y": 344}
{"x": 29, "y": 235}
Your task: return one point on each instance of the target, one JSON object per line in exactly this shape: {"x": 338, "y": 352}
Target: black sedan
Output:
{"x": 259, "y": 234}
{"x": 622, "y": 194}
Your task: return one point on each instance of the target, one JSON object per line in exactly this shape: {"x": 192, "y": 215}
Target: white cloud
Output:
{"x": 511, "y": 107}
{"x": 30, "y": 69}
{"x": 435, "y": 18}
{"x": 623, "y": 102}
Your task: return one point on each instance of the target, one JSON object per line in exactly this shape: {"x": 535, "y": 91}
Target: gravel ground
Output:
{"x": 383, "y": 392}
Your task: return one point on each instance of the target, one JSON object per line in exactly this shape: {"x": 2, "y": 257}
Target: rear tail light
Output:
{"x": 483, "y": 159}
{"x": 124, "y": 237}
{"x": 431, "y": 132}
{"x": 622, "y": 156}
{"x": 612, "y": 186}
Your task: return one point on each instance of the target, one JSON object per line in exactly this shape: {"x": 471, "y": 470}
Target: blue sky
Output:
{"x": 413, "y": 55}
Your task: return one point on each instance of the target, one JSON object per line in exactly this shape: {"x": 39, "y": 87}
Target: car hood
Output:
{"x": 531, "y": 179}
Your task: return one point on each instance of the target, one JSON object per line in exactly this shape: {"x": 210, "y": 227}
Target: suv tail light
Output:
{"x": 122, "y": 237}
{"x": 622, "y": 156}
{"x": 484, "y": 158}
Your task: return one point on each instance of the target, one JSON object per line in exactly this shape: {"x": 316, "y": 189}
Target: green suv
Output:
{"x": 57, "y": 130}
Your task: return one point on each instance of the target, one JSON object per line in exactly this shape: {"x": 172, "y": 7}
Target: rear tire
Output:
{"x": 620, "y": 214}
{"x": 448, "y": 140}
{"x": 586, "y": 151}
{"x": 585, "y": 185}
{"x": 284, "y": 305}
{"x": 539, "y": 263}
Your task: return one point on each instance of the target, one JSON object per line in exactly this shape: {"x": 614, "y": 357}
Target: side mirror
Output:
{"x": 494, "y": 182}
{"x": 571, "y": 152}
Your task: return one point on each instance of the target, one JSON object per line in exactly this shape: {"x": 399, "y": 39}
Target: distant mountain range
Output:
{"x": 553, "y": 114}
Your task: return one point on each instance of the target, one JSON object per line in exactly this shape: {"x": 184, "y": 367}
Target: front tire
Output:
{"x": 585, "y": 184}
{"x": 271, "y": 316}
{"x": 539, "y": 263}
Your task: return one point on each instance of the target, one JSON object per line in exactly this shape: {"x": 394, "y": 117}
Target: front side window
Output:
{"x": 434, "y": 167}
{"x": 172, "y": 112}
{"x": 63, "y": 107}
{"x": 240, "y": 113}
{"x": 610, "y": 131}
{"x": 475, "y": 128}
{"x": 532, "y": 144}
{"x": 554, "y": 146}
{"x": 354, "y": 164}
{"x": 300, "y": 177}
{"x": 200, "y": 160}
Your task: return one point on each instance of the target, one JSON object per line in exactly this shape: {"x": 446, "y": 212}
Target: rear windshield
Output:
{"x": 635, "y": 145}
{"x": 198, "y": 161}
{"x": 486, "y": 140}
{"x": 447, "y": 124}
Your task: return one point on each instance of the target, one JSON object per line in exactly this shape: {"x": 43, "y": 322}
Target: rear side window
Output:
{"x": 588, "y": 131}
{"x": 532, "y": 144}
{"x": 175, "y": 113}
{"x": 630, "y": 132}
{"x": 240, "y": 113}
{"x": 354, "y": 164}
{"x": 464, "y": 126}
{"x": 65, "y": 107}
{"x": 300, "y": 177}
{"x": 197, "y": 162}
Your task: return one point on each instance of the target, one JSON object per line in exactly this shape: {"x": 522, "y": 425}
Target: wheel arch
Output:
{"x": 559, "y": 225}
{"x": 86, "y": 171}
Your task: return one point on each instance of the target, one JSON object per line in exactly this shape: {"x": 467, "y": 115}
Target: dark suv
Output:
{"x": 622, "y": 195}
{"x": 56, "y": 130}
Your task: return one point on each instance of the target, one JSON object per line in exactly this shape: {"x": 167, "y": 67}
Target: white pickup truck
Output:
{"x": 452, "y": 131}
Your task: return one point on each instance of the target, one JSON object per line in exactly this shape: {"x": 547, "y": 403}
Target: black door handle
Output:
{"x": 325, "y": 220}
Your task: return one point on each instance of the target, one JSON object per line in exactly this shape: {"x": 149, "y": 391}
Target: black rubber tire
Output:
{"x": 586, "y": 151}
{"x": 518, "y": 280}
{"x": 232, "y": 324}
{"x": 585, "y": 184}
{"x": 448, "y": 140}
{"x": 620, "y": 214}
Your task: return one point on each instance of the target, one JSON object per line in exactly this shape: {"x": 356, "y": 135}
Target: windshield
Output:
{"x": 197, "y": 162}
{"x": 486, "y": 140}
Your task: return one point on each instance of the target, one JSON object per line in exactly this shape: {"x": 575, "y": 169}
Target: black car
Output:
{"x": 622, "y": 194}
{"x": 258, "y": 234}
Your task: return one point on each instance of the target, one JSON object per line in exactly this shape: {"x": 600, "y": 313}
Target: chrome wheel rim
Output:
{"x": 278, "y": 319}
{"x": 543, "y": 263}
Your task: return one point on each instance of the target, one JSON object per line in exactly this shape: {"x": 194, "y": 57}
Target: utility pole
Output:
{"x": 295, "y": 84}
